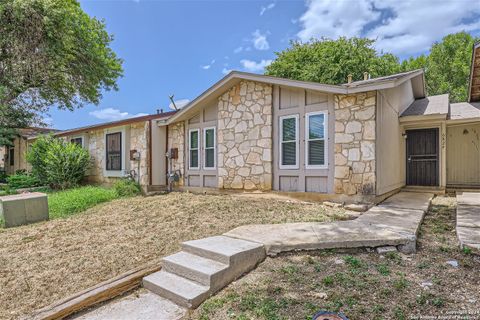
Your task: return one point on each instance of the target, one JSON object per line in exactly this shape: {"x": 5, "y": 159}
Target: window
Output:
{"x": 193, "y": 147}
{"x": 11, "y": 156}
{"x": 289, "y": 142}
{"x": 114, "y": 151}
{"x": 209, "y": 140}
{"x": 315, "y": 138}
{"x": 77, "y": 140}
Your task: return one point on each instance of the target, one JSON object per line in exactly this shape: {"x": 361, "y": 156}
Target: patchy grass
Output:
{"x": 67, "y": 202}
{"x": 47, "y": 261}
{"x": 361, "y": 285}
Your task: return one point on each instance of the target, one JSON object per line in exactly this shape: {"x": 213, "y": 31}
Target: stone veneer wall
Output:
{"x": 176, "y": 139}
{"x": 355, "y": 144}
{"x": 244, "y": 137}
{"x": 139, "y": 136}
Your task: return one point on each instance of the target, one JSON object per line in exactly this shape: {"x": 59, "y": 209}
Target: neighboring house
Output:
{"x": 13, "y": 157}
{"x": 116, "y": 148}
{"x": 358, "y": 141}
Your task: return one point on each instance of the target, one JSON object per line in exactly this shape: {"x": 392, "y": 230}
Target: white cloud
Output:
{"x": 264, "y": 9}
{"x": 405, "y": 27}
{"x": 238, "y": 50}
{"x": 208, "y": 66}
{"x": 253, "y": 66}
{"x": 112, "y": 114}
{"x": 226, "y": 71}
{"x": 260, "y": 41}
{"x": 180, "y": 103}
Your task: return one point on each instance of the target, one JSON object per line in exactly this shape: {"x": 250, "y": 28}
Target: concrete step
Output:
{"x": 223, "y": 249}
{"x": 195, "y": 268}
{"x": 184, "y": 292}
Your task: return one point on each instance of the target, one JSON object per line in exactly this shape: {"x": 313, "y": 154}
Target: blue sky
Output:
{"x": 183, "y": 47}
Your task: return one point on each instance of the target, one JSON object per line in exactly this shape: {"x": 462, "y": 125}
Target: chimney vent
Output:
{"x": 349, "y": 78}
{"x": 366, "y": 76}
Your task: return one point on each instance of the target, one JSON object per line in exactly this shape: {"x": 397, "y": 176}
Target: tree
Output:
{"x": 51, "y": 54}
{"x": 448, "y": 66}
{"x": 331, "y": 61}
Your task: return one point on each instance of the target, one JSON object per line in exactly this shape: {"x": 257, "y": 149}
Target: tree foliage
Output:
{"x": 447, "y": 66}
{"x": 51, "y": 54}
{"x": 331, "y": 61}
{"x": 58, "y": 163}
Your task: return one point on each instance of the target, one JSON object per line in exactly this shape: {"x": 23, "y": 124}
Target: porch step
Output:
{"x": 204, "y": 266}
{"x": 181, "y": 291}
{"x": 157, "y": 188}
{"x": 221, "y": 248}
{"x": 195, "y": 268}
{"x": 426, "y": 189}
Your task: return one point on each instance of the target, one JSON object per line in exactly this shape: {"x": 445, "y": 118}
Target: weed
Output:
{"x": 328, "y": 280}
{"x": 400, "y": 283}
{"x": 383, "y": 269}
{"x": 393, "y": 256}
{"x": 467, "y": 250}
{"x": 353, "y": 262}
{"x": 399, "y": 314}
{"x": 290, "y": 269}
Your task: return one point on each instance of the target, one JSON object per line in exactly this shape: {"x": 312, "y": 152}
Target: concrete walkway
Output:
{"x": 395, "y": 222}
{"x": 468, "y": 220}
{"x": 207, "y": 265}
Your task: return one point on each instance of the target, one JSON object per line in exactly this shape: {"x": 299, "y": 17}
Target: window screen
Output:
{"x": 289, "y": 143}
{"x": 194, "y": 146}
{"x": 114, "y": 151}
{"x": 210, "y": 148}
{"x": 78, "y": 141}
{"x": 316, "y": 139}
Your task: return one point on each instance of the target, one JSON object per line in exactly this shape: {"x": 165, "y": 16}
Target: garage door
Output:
{"x": 463, "y": 155}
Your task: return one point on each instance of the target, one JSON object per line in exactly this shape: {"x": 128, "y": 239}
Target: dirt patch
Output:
{"x": 361, "y": 285}
{"x": 44, "y": 262}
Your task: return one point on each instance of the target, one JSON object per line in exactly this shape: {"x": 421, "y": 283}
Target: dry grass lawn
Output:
{"x": 44, "y": 262}
{"x": 361, "y": 285}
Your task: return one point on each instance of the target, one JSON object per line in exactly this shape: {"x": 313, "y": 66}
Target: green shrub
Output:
{"x": 126, "y": 188}
{"x": 22, "y": 180}
{"x": 3, "y": 176}
{"x": 67, "y": 202}
{"x": 58, "y": 163}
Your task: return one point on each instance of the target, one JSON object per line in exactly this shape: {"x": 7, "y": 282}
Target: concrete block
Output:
{"x": 386, "y": 249}
{"x": 184, "y": 292}
{"x": 21, "y": 209}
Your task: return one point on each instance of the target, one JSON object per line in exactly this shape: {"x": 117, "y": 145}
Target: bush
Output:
{"x": 67, "y": 202}
{"x": 58, "y": 163}
{"x": 22, "y": 180}
{"x": 126, "y": 188}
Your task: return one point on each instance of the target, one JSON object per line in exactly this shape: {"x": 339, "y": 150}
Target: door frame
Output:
{"x": 442, "y": 137}
{"x": 437, "y": 160}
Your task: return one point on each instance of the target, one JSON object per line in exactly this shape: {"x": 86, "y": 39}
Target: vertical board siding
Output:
{"x": 290, "y": 101}
{"x": 463, "y": 155}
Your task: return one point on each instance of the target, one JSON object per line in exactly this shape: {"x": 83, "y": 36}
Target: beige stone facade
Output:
{"x": 245, "y": 137}
{"x": 136, "y": 137}
{"x": 355, "y": 144}
{"x": 176, "y": 139}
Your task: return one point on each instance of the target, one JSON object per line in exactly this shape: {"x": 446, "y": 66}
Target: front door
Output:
{"x": 422, "y": 157}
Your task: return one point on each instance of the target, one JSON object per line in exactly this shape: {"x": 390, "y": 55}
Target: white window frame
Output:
{"x": 121, "y": 172}
{"x": 204, "y": 153}
{"x": 190, "y": 149}
{"x": 77, "y": 137}
{"x": 325, "y": 139}
{"x": 297, "y": 141}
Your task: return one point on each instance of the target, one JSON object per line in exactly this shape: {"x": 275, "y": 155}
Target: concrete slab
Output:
{"x": 468, "y": 235}
{"x": 141, "y": 305}
{"x": 312, "y": 236}
{"x": 408, "y": 200}
{"x": 395, "y": 219}
{"x": 468, "y": 198}
{"x": 468, "y": 215}
{"x": 26, "y": 208}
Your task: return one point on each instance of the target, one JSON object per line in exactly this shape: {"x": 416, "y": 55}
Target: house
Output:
{"x": 12, "y": 158}
{"x": 358, "y": 141}
{"x": 130, "y": 145}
